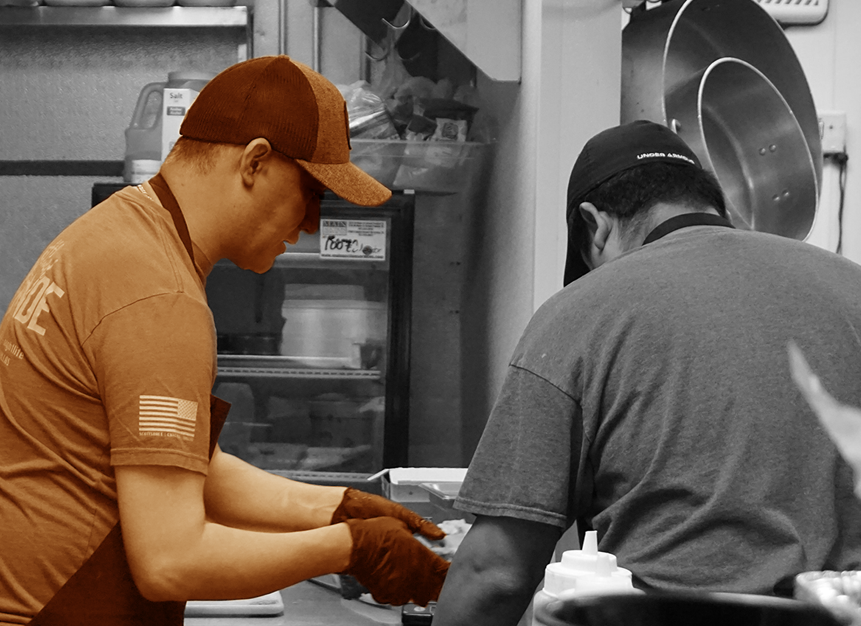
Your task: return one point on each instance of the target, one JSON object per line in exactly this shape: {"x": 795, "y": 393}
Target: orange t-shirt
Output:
{"x": 107, "y": 357}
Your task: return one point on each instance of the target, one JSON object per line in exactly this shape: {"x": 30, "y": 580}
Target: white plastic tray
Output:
{"x": 270, "y": 604}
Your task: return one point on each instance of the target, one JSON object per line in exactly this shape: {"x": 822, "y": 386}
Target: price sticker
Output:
{"x": 353, "y": 239}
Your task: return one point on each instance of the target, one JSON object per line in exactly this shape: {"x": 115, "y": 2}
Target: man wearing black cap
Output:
{"x": 116, "y": 504}
{"x": 651, "y": 399}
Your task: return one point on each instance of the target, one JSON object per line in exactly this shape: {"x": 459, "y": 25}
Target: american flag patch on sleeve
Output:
{"x": 164, "y": 416}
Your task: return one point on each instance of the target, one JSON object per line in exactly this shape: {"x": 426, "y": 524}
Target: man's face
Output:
{"x": 286, "y": 201}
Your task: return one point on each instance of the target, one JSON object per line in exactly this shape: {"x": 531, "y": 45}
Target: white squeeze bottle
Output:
{"x": 580, "y": 573}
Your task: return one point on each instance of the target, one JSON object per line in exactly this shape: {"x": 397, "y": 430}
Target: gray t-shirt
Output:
{"x": 652, "y": 401}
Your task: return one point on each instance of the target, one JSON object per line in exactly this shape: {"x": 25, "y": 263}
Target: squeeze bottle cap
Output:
{"x": 586, "y": 570}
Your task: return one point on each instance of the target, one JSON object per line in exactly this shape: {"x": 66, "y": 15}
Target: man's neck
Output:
{"x": 661, "y": 212}
{"x": 633, "y": 236}
{"x": 194, "y": 194}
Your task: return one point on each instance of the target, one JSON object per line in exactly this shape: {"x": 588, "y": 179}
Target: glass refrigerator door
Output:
{"x": 313, "y": 354}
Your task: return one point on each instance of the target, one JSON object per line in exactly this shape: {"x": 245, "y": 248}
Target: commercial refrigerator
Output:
{"x": 314, "y": 354}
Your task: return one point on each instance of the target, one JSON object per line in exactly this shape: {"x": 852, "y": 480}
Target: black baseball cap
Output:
{"x": 612, "y": 151}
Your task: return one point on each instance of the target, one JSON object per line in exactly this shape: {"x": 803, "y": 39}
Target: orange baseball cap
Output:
{"x": 300, "y": 113}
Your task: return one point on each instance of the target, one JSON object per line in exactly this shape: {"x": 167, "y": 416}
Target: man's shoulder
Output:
{"x": 772, "y": 254}
{"x": 123, "y": 235}
{"x": 121, "y": 222}
{"x": 119, "y": 252}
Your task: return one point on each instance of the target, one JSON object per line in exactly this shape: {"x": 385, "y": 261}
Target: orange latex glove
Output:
{"x": 360, "y": 505}
{"x": 392, "y": 564}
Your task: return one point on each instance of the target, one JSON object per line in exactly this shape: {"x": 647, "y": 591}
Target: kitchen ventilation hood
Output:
{"x": 487, "y": 32}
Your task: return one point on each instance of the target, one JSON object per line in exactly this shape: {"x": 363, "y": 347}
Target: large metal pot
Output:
{"x": 743, "y": 130}
{"x": 664, "y": 48}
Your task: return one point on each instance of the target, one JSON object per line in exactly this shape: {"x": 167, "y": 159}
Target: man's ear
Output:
{"x": 252, "y": 159}
{"x": 598, "y": 222}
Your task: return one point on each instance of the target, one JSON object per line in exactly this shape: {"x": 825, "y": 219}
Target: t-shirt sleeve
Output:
{"x": 522, "y": 465}
{"x": 154, "y": 362}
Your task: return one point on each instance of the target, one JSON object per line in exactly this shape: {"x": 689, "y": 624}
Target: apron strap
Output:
{"x": 168, "y": 201}
{"x": 218, "y": 410}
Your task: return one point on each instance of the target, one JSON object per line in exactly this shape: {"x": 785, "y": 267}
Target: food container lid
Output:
{"x": 443, "y": 493}
{"x": 419, "y": 475}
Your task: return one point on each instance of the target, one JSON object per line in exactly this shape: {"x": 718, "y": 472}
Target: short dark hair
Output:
{"x": 630, "y": 194}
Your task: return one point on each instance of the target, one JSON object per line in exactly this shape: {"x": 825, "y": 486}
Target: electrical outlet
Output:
{"x": 832, "y": 131}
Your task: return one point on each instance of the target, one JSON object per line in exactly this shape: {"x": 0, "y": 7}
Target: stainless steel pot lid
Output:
{"x": 665, "y": 48}
{"x": 742, "y": 130}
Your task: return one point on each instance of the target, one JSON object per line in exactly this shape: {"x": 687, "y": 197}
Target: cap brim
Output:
{"x": 575, "y": 266}
{"x": 349, "y": 182}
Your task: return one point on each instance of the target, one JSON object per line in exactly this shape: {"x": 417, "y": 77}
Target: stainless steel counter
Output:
{"x": 308, "y": 604}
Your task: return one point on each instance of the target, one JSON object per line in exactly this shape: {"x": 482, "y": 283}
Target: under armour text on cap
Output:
{"x": 613, "y": 151}
{"x": 300, "y": 113}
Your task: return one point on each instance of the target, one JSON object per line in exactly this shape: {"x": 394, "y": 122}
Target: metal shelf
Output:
{"x": 285, "y": 367}
{"x": 315, "y": 260}
{"x": 232, "y": 17}
{"x": 278, "y": 372}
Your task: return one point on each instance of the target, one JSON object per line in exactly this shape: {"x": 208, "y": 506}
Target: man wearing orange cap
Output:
{"x": 116, "y": 504}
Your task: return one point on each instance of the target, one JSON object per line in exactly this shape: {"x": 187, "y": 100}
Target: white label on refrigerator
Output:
{"x": 353, "y": 239}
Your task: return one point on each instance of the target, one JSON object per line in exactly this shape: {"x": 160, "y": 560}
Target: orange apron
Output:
{"x": 102, "y": 592}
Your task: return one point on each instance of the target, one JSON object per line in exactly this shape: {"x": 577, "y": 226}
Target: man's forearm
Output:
{"x": 469, "y": 599}
{"x": 175, "y": 553}
{"x": 226, "y": 563}
{"x": 240, "y": 495}
{"x": 495, "y": 572}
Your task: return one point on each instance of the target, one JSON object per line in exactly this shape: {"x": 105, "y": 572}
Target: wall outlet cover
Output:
{"x": 832, "y": 131}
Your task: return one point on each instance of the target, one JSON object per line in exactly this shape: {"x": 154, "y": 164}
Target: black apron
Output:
{"x": 102, "y": 592}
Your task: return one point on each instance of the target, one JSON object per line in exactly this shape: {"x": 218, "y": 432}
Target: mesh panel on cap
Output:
{"x": 333, "y": 137}
{"x": 265, "y": 97}
{"x": 300, "y": 112}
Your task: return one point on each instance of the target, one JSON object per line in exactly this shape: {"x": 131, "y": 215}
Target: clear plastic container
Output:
{"x": 381, "y": 158}
{"x": 430, "y": 166}
{"x": 331, "y": 333}
{"x": 838, "y": 591}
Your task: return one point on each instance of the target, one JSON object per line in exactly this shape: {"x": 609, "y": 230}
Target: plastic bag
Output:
{"x": 369, "y": 118}
{"x": 394, "y": 75}
{"x": 402, "y": 104}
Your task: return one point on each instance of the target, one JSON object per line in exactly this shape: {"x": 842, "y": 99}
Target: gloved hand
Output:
{"x": 392, "y": 564}
{"x": 360, "y": 505}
